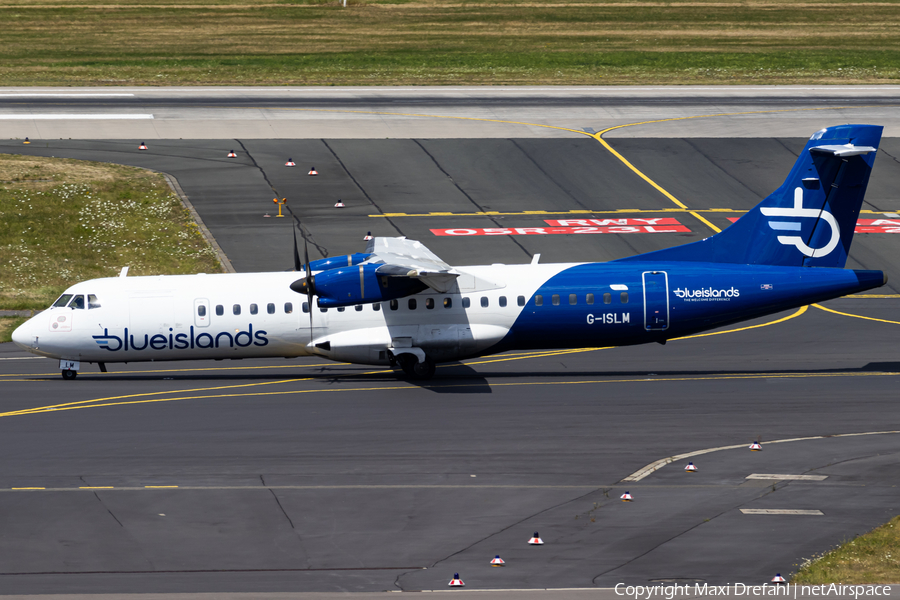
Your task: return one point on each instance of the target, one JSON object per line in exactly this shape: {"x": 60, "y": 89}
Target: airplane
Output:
{"x": 398, "y": 304}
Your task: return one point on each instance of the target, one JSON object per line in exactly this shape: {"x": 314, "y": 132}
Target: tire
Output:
{"x": 415, "y": 369}
{"x": 69, "y": 374}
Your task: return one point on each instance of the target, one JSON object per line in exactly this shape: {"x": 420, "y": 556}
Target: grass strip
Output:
{"x": 66, "y": 221}
{"x": 443, "y": 42}
{"x": 873, "y": 557}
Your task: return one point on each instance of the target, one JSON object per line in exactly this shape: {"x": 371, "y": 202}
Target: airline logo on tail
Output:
{"x": 799, "y": 211}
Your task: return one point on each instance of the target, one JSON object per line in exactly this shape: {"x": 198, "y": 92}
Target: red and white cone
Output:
{"x": 626, "y": 497}
{"x": 290, "y": 163}
{"x": 690, "y": 468}
{"x": 313, "y": 171}
{"x": 456, "y": 581}
{"x": 232, "y": 154}
{"x": 756, "y": 447}
{"x": 339, "y": 204}
{"x": 778, "y": 579}
{"x": 143, "y": 146}
{"x": 497, "y": 561}
{"x": 536, "y": 540}
{"x": 368, "y": 237}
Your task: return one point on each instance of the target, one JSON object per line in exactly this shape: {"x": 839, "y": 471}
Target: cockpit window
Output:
{"x": 63, "y": 300}
{"x": 93, "y": 302}
{"x": 77, "y": 302}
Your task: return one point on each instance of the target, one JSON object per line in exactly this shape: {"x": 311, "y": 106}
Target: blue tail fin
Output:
{"x": 809, "y": 220}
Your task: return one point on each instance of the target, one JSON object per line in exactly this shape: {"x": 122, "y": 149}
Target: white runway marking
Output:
{"x": 788, "y": 477}
{"x": 781, "y": 511}
{"x": 73, "y": 116}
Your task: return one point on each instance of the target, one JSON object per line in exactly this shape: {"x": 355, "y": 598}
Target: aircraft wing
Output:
{"x": 400, "y": 257}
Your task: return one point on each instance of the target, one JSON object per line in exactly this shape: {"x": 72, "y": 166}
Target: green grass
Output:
{"x": 66, "y": 221}
{"x": 441, "y": 42}
{"x": 873, "y": 557}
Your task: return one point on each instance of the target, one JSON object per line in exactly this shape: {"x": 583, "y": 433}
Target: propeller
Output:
{"x": 306, "y": 285}
{"x": 297, "y": 265}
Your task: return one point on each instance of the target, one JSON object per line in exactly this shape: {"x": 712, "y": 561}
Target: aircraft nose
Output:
{"x": 22, "y": 335}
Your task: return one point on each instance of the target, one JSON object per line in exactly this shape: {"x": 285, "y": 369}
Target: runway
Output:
{"x": 304, "y": 476}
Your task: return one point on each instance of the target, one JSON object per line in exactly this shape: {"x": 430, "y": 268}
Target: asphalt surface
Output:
{"x": 305, "y": 476}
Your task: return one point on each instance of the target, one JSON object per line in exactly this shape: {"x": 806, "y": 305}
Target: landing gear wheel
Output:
{"x": 69, "y": 374}
{"x": 415, "y": 369}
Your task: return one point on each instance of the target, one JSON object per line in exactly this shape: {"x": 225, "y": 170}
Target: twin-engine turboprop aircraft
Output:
{"x": 399, "y": 304}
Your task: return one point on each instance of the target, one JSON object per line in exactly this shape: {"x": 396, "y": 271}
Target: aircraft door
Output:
{"x": 656, "y": 301}
{"x": 201, "y": 312}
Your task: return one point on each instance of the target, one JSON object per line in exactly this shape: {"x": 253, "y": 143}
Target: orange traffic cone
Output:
{"x": 536, "y": 540}
{"x": 368, "y": 237}
{"x": 232, "y": 154}
{"x": 339, "y": 204}
{"x": 756, "y": 447}
{"x": 290, "y": 163}
{"x": 497, "y": 561}
{"x": 690, "y": 468}
{"x": 456, "y": 581}
{"x": 778, "y": 579}
{"x": 313, "y": 171}
{"x": 143, "y": 146}
{"x": 626, "y": 497}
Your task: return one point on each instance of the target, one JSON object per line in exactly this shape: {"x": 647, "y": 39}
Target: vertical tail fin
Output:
{"x": 809, "y": 220}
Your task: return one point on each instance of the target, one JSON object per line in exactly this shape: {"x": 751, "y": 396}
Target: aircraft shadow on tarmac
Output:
{"x": 462, "y": 379}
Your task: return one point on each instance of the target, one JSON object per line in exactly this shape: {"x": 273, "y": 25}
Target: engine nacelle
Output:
{"x": 347, "y": 260}
{"x": 361, "y": 284}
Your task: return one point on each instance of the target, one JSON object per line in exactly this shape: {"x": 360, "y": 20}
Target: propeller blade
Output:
{"x": 297, "y": 265}
{"x": 310, "y": 282}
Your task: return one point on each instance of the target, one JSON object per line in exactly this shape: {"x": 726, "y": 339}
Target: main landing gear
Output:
{"x": 414, "y": 368}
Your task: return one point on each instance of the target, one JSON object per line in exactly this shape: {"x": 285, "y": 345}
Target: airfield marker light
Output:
{"x": 290, "y": 163}
{"x": 755, "y": 446}
{"x": 143, "y": 146}
{"x": 280, "y": 203}
{"x": 690, "y": 468}
{"x": 456, "y": 581}
{"x": 536, "y": 540}
{"x": 27, "y": 141}
{"x": 778, "y": 579}
{"x": 339, "y": 204}
{"x": 313, "y": 171}
{"x": 497, "y": 561}
{"x": 231, "y": 154}
{"x": 368, "y": 236}
{"x": 626, "y": 497}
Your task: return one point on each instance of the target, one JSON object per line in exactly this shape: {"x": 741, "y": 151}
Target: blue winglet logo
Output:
{"x": 799, "y": 211}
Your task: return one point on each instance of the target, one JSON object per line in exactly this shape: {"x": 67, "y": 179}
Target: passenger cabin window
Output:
{"x": 270, "y": 308}
{"x": 624, "y": 297}
{"x": 220, "y": 310}
{"x": 589, "y": 298}
{"x": 502, "y": 301}
{"x": 358, "y": 307}
{"x": 573, "y": 298}
{"x": 484, "y": 301}
{"x": 607, "y": 298}
{"x": 305, "y": 307}
{"x": 236, "y": 309}
{"x": 466, "y": 302}
{"x": 63, "y": 300}
{"x": 520, "y": 300}
{"x": 340, "y": 309}
{"x": 201, "y": 310}
{"x": 376, "y": 307}
{"x": 93, "y": 302}
{"x": 254, "y": 309}
{"x": 429, "y": 303}
{"x": 555, "y": 299}
{"x": 288, "y": 308}
{"x": 77, "y": 302}
{"x": 395, "y": 305}
{"x": 538, "y": 300}
{"x": 448, "y": 302}
{"x": 412, "y": 304}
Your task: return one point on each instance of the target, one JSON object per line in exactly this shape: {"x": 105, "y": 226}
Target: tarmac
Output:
{"x": 306, "y": 479}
